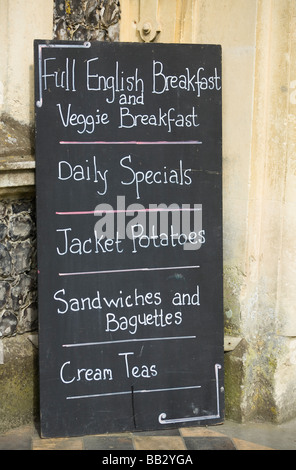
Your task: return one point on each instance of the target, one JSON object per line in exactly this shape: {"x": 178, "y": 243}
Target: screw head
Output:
{"x": 146, "y": 28}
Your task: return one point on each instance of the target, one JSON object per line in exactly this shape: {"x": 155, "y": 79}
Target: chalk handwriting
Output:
{"x": 68, "y": 374}
{"x": 157, "y": 318}
{"x": 196, "y": 81}
{"x": 112, "y": 84}
{"x": 87, "y": 171}
{"x": 167, "y": 119}
{"x": 172, "y": 239}
{"x": 164, "y": 175}
{"x": 135, "y": 298}
{"x": 84, "y": 123}
{"x": 138, "y": 371}
{"x": 53, "y": 76}
{"x": 92, "y": 245}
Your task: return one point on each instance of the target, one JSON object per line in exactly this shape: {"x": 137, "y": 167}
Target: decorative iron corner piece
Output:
{"x": 162, "y": 417}
{"x": 87, "y": 44}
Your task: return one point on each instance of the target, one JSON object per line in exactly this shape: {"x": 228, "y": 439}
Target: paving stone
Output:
{"x": 209, "y": 443}
{"x": 57, "y": 444}
{"x": 158, "y": 443}
{"x": 108, "y": 443}
{"x": 246, "y": 445}
{"x": 200, "y": 432}
{"x": 194, "y": 438}
{"x": 19, "y": 439}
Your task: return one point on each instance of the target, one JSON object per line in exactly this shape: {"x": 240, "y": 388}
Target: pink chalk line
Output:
{"x": 133, "y": 142}
{"x": 128, "y": 210}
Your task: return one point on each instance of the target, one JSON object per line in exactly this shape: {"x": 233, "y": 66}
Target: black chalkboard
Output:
{"x": 129, "y": 218}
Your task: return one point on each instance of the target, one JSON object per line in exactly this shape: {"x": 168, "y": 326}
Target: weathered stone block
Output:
{"x": 8, "y": 324}
{"x": 3, "y": 231}
{"x": 28, "y": 319}
{"x": 4, "y": 292}
{"x": 22, "y": 257}
{"x": 2, "y": 209}
{"x": 87, "y": 20}
{"x": 22, "y": 290}
{"x": 5, "y": 262}
{"x": 18, "y": 383}
{"x": 22, "y": 206}
{"x": 234, "y": 380}
{"x": 20, "y": 227}
{"x": 16, "y": 138}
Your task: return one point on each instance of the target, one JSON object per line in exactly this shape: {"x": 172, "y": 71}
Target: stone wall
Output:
{"x": 18, "y": 297}
{"x": 18, "y": 312}
{"x": 86, "y": 20}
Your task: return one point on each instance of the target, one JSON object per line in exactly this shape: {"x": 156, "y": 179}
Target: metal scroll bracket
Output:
{"x": 39, "y": 102}
{"x": 148, "y": 25}
{"x": 162, "y": 417}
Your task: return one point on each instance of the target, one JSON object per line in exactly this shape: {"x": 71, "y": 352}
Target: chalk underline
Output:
{"x": 100, "y": 343}
{"x": 132, "y": 142}
{"x": 113, "y": 271}
{"x": 130, "y": 392}
{"x": 120, "y": 211}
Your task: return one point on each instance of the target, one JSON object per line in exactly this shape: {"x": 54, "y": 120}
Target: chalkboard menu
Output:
{"x": 129, "y": 219}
